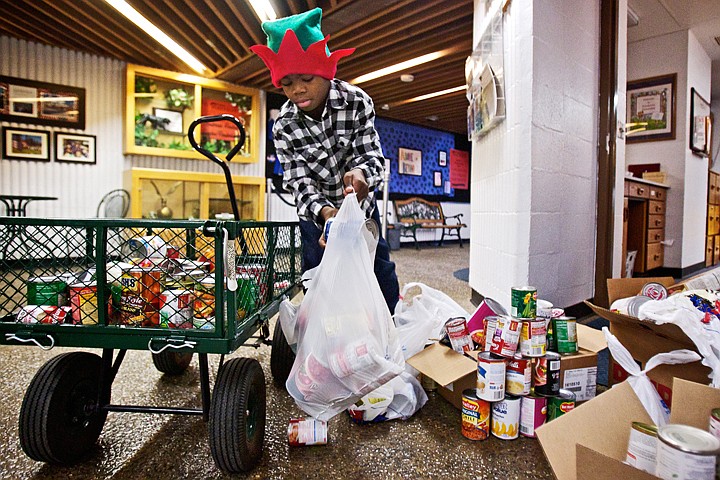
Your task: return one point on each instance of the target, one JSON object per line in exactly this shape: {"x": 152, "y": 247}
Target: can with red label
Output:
{"x": 307, "y": 431}
{"x": 475, "y": 416}
{"x": 458, "y": 334}
{"x": 506, "y": 337}
{"x": 518, "y": 376}
{"x": 654, "y": 290}
{"x": 44, "y": 314}
{"x": 176, "y": 309}
{"x": 560, "y": 404}
{"x": 533, "y": 337}
{"x": 489, "y": 324}
{"x": 533, "y": 412}
{"x": 491, "y": 377}
{"x": 84, "y": 304}
{"x": 546, "y": 375}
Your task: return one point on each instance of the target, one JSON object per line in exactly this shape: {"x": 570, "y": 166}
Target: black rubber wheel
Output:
{"x": 172, "y": 363}
{"x": 237, "y": 415}
{"x": 281, "y": 357}
{"x": 60, "y": 419}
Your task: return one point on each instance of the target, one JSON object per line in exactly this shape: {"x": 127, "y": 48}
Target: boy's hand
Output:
{"x": 355, "y": 179}
{"x": 325, "y": 213}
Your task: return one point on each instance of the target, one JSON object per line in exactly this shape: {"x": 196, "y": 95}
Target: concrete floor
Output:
{"x": 147, "y": 446}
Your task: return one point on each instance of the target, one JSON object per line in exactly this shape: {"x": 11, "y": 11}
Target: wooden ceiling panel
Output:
{"x": 219, "y": 34}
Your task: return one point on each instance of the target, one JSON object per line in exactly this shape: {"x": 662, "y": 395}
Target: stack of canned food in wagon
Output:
{"x": 152, "y": 287}
{"x": 518, "y": 374}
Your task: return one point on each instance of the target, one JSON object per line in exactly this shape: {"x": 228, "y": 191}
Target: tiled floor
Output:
{"x": 134, "y": 446}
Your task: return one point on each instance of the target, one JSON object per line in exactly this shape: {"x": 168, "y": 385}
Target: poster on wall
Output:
{"x": 410, "y": 162}
{"x": 226, "y": 131}
{"x": 459, "y": 171}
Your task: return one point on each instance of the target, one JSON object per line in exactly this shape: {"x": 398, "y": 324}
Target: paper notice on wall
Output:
{"x": 582, "y": 382}
{"x": 459, "y": 169}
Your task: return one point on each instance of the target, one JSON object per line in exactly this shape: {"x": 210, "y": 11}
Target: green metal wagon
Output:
{"x": 172, "y": 288}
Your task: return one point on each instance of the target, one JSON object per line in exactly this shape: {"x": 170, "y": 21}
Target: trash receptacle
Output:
{"x": 393, "y": 237}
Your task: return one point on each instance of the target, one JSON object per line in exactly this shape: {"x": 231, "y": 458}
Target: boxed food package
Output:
{"x": 590, "y": 442}
{"x": 646, "y": 339}
{"x": 454, "y": 372}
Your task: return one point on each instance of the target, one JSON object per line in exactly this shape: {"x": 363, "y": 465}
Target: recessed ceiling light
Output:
{"x": 432, "y": 118}
{"x": 407, "y": 78}
{"x": 385, "y": 106}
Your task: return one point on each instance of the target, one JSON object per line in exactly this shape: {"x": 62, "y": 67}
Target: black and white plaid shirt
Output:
{"x": 316, "y": 154}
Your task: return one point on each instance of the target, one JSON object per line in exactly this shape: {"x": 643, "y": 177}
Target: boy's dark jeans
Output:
{"x": 384, "y": 268}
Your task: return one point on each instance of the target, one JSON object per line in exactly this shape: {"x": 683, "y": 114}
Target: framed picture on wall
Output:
{"x": 26, "y": 144}
{"x": 442, "y": 158}
{"x": 30, "y": 101}
{"x": 437, "y": 178}
{"x": 409, "y": 162}
{"x": 74, "y": 148}
{"x": 650, "y": 110}
{"x": 700, "y": 125}
{"x": 170, "y": 121}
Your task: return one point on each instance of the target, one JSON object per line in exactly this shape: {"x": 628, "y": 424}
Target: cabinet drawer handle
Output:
{"x": 657, "y": 236}
{"x": 656, "y": 256}
{"x": 658, "y": 208}
{"x": 658, "y": 222}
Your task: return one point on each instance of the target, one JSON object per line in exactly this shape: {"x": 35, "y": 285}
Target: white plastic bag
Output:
{"x": 638, "y": 380}
{"x": 400, "y": 398}
{"x": 287, "y": 316}
{"x": 423, "y": 321}
{"x": 347, "y": 343}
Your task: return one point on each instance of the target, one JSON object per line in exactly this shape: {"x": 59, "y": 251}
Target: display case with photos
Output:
{"x": 161, "y": 105}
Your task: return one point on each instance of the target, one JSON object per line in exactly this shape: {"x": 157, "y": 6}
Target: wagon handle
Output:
{"x": 214, "y": 158}
{"x": 12, "y": 336}
{"x": 184, "y": 344}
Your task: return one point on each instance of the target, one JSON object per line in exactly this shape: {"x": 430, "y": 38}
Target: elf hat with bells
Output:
{"x": 296, "y": 45}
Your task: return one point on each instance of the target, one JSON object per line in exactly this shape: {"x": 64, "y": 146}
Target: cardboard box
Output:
{"x": 590, "y": 442}
{"x": 646, "y": 339}
{"x": 454, "y": 372}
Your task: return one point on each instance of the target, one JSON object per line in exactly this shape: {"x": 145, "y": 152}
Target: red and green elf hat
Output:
{"x": 296, "y": 45}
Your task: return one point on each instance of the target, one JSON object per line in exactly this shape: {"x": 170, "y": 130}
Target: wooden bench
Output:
{"x": 417, "y": 213}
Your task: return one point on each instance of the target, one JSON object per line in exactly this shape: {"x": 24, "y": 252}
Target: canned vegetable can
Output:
{"x": 642, "y": 447}
{"x": 686, "y": 453}
{"x": 561, "y": 404}
{"x": 506, "y": 418}
{"x": 523, "y": 302}
{"x": 565, "y": 333}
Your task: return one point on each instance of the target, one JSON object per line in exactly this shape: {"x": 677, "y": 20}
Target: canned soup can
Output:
{"x": 506, "y": 418}
{"x": 546, "y": 375}
{"x": 458, "y": 334}
{"x": 307, "y": 431}
{"x": 686, "y": 453}
{"x": 642, "y": 447}
{"x": 491, "y": 377}
{"x": 533, "y": 337}
{"x": 523, "y": 302}
{"x": 518, "y": 376}
{"x": 506, "y": 337}
{"x": 475, "y": 416}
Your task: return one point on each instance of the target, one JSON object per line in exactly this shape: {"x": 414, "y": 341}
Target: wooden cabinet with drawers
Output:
{"x": 712, "y": 240}
{"x": 645, "y": 223}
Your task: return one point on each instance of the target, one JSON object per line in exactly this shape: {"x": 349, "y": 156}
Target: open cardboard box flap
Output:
{"x": 628, "y": 287}
{"x": 602, "y": 427}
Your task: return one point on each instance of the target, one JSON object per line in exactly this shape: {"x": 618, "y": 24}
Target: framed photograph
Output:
{"x": 42, "y": 103}
{"x": 437, "y": 178}
{"x": 410, "y": 162}
{"x": 26, "y": 144}
{"x": 442, "y": 158}
{"x": 650, "y": 113}
{"x": 73, "y": 148}
{"x": 700, "y": 124}
{"x": 170, "y": 121}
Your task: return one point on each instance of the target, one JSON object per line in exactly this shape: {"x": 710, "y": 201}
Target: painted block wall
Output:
{"x": 533, "y": 177}
{"x": 620, "y": 146}
{"x": 79, "y": 188}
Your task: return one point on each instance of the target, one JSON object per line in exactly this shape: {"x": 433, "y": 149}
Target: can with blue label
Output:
{"x": 326, "y": 231}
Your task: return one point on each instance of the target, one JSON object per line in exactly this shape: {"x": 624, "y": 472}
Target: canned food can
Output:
{"x": 487, "y": 308}
{"x": 44, "y": 314}
{"x": 518, "y": 376}
{"x": 458, "y": 334}
{"x": 84, "y": 304}
{"x": 204, "y": 298}
{"x": 506, "y": 418}
{"x": 176, "y": 309}
{"x": 140, "y": 297}
{"x": 642, "y": 447}
{"x": 428, "y": 384}
{"x": 533, "y": 337}
{"x": 551, "y": 343}
{"x": 546, "y": 375}
{"x": 204, "y": 323}
{"x": 247, "y": 295}
{"x": 491, "y": 377}
{"x": 654, "y": 290}
{"x": 533, "y": 412}
{"x": 139, "y": 248}
{"x": 506, "y": 337}
{"x": 475, "y": 416}
{"x": 715, "y": 422}
{"x": 478, "y": 339}
{"x": 258, "y": 271}
{"x": 490, "y": 327}
{"x": 560, "y": 404}
{"x": 307, "y": 431}
{"x": 565, "y": 332}
{"x": 523, "y": 302}
{"x": 48, "y": 290}
{"x": 686, "y": 453}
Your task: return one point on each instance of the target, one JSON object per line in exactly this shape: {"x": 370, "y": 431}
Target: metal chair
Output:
{"x": 115, "y": 204}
